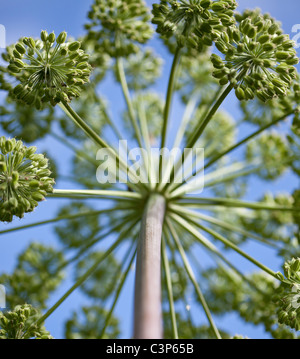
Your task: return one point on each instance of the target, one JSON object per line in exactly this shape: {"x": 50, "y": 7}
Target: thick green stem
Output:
{"x": 147, "y": 308}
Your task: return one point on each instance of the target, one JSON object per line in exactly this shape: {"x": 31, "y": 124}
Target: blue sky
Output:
{"x": 28, "y": 18}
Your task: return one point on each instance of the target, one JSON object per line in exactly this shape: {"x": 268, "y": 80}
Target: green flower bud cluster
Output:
{"x": 107, "y": 272}
{"x": 24, "y": 179}
{"x": 24, "y": 122}
{"x": 195, "y": 23}
{"x": 270, "y": 153}
{"x": 88, "y": 324}
{"x": 142, "y": 69}
{"x": 259, "y": 59}
{"x": 219, "y": 134}
{"x": 74, "y": 233}
{"x": 239, "y": 337}
{"x": 37, "y": 274}
{"x": 289, "y": 298}
{"x": 49, "y": 71}
{"x": 20, "y": 324}
{"x": 194, "y": 79}
{"x": 117, "y": 25}
{"x": 252, "y": 299}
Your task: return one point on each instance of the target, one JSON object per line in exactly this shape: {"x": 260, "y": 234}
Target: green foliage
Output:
{"x": 107, "y": 274}
{"x": 75, "y": 232}
{"x": 195, "y": 24}
{"x": 20, "y": 324}
{"x": 37, "y": 275}
{"x": 257, "y": 60}
{"x": 117, "y": 25}
{"x": 48, "y": 73}
{"x": 88, "y": 324}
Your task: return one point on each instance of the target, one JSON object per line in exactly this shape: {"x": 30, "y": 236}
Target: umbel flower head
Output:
{"x": 288, "y": 298}
{"x": 116, "y": 25}
{"x": 259, "y": 59}
{"x": 19, "y": 324}
{"x": 49, "y": 70}
{"x": 24, "y": 179}
{"x": 193, "y": 22}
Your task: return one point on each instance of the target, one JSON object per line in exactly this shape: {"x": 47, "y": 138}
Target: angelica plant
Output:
{"x": 144, "y": 216}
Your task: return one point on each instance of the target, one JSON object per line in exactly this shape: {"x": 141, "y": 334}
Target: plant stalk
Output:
{"x": 147, "y": 306}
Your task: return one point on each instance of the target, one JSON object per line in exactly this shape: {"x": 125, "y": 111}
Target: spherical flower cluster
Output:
{"x": 24, "y": 122}
{"x": 259, "y": 59}
{"x": 116, "y": 25}
{"x": 48, "y": 72}
{"x": 270, "y": 152}
{"x": 19, "y": 324}
{"x": 289, "y": 300}
{"x": 194, "y": 23}
{"x": 142, "y": 69}
{"x": 24, "y": 179}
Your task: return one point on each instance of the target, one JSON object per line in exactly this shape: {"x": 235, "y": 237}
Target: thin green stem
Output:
{"x": 78, "y": 152}
{"x": 187, "y": 116}
{"x": 166, "y": 265}
{"x": 168, "y": 104}
{"x": 131, "y": 222}
{"x": 231, "y": 202}
{"x": 202, "y": 127}
{"x": 248, "y": 138}
{"x": 228, "y": 243}
{"x": 81, "y": 280}
{"x": 99, "y": 141}
{"x": 193, "y": 279}
{"x": 207, "y": 109}
{"x": 60, "y": 218}
{"x": 126, "y": 93}
{"x": 61, "y": 193}
{"x": 117, "y": 294}
{"x": 222, "y": 224}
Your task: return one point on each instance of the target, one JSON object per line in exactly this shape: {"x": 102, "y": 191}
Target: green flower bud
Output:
{"x": 19, "y": 63}
{"x": 282, "y": 55}
{"x": 51, "y": 38}
{"x": 44, "y": 36}
{"x": 218, "y": 6}
{"x": 264, "y": 38}
{"x": 240, "y": 94}
{"x": 20, "y": 48}
{"x": 224, "y": 81}
{"x": 205, "y": 4}
{"x": 74, "y": 46}
{"x": 62, "y": 37}
{"x": 17, "y": 54}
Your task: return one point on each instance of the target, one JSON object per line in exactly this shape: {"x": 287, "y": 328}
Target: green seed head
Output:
{"x": 261, "y": 53}
{"x": 202, "y": 21}
{"x": 24, "y": 179}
